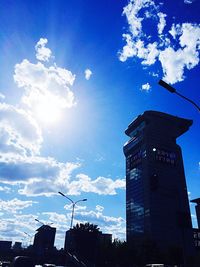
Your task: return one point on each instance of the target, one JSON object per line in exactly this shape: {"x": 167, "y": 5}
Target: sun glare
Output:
{"x": 48, "y": 111}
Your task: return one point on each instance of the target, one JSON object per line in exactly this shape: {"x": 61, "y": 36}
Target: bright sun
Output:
{"x": 48, "y": 110}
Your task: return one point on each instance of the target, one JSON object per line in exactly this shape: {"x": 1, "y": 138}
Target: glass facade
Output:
{"x": 134, "y": 180}
{"x": 156, "y": 193}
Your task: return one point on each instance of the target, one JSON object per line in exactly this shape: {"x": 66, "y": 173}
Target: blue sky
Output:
{"x": 73, "y": 75}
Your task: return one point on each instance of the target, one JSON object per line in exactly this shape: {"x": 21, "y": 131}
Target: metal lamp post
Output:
{"x": 30, "y": 236}
{"x": 173, "y": 90}
{"x": 73, "y": 206}
{"x": 43, "y": 223}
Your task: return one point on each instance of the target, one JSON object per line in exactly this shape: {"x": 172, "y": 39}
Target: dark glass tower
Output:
{"x": 157, "y": 207}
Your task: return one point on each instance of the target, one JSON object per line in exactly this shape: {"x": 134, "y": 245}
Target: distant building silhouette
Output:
{"x": 86, "y": 244}
{"x": 44, "y": 239}
{"x": 74, "y": 238}
{"x": 5, "y": 246}
{"x": 157, "y": 207}
{"x": 196, "y": 231}
{"x": 196, "y": 235}
{"x": 197, "y": 208}
{"x": 17, "y": 246}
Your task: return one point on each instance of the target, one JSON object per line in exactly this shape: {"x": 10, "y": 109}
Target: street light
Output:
{"x": 30, "y": 236}
{"x": 43, "y": 223}
{"x": 73, "y": 206}
{"x": 173, "y": 90}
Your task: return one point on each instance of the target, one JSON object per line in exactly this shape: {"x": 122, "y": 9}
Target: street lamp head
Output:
{"x": 167, "y": 86}
{"x": 61, "y": 194}
{"x": 73, "y": 205}
{"x": 173, "y": 90}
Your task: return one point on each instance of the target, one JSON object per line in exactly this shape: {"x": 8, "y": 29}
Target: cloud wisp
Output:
{"x": 146, "y": 87}
{"x": 88, "y": 74}
{"x": 14, "y": 205}
{"x": 42, "y": 52}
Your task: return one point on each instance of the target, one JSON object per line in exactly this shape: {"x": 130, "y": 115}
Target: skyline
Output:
{"x": 74, "y": 75}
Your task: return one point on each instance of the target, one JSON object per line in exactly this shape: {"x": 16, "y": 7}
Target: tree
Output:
{"x": 84, "y": 240}
{"x": 87, "y": 227}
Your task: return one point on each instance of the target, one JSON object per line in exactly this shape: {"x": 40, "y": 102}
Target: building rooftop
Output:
{"x": 182, "y": 125}
{"x": 45, "y": 227}
{"x": 196, "y": 200}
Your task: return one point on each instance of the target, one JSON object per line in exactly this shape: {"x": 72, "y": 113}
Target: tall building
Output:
{"x": 157, "y": 207}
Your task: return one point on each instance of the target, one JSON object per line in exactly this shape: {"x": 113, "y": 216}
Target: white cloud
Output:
{"x": 19, "y": 132}
{"x": 16, "y": 168}
{"x": 187, "y": 57}
{"x": 45, "y": 176}
{"x": 20, "y": 162}
{"x": 39, "y": 175}
{"x": 154, "y": 74}
{"x": 42, "y": 53}
{"x": 133, "y": 17}
{"x": 50, "y": 177}
{"x": 45, "y": 89}
{"x": 107, "y": 224}
{"x": 14, "y": 205}
{"x": 44, "y": 86}
{"x": 128, "y": 50}
{"x": 173, "y": 65}
{"x": 146, "y": 87}
{"x": 149, "y": 54}
{"x": 101, "y": 185}
{"x": 175, "y": 30}
{"x": 55, "y": 217}
{"x": 99, "y": 208}
{"x": 88, "y": 74}
{"x": 188, "y": 1}
{"x": 8, "y": 230}
{"x": 5, "y": 189}
{"x": 137, "y": 48}
{"x": 175, "y": 56}
{"x": 190, "y": 37}
{"x": 13, "y": 228}
{"x": 175, "y": 61}
{"x": 162, "y": 22}
{"x": 78, "y": 207}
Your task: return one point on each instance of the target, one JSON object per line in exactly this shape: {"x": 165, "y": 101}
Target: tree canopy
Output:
{"x": 86, "y": 227}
